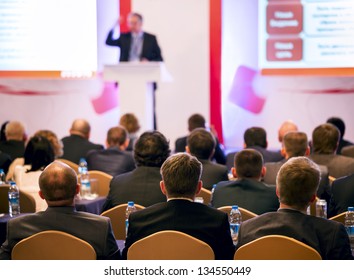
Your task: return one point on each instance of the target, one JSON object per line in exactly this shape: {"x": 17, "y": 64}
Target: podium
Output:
{"x": 136, "y": 88}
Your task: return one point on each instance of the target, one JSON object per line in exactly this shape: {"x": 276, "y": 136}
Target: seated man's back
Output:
{"x": 342, "y": 195}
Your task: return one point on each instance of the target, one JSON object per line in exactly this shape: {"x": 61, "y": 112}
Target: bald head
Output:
{"x": 80, "y": 127}
{"x": 287, "y": 126}
{"x": 15, "y": 131}
{"x": 58, "y": 184}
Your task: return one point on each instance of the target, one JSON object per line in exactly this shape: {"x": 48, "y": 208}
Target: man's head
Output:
{"x": 287, "y": 126}
{"x": 130, "y": 122}
{"x": 325, "y": 139}
{"x": 248, "y": 165}
{"x": 181, "y": 176}
{"x": 117, "y": 137}
{"x": 80, "y": 127}
{"x": 58, "y": 184}
{"x": 255, "y": 136}
{"x": 295, "y": 144}
{"x": 15, "y": 131}
{"x": 151, "y": 149}
{"x": 338, "y": 123}
{"x": 135, "y": 22}
{"x": 201, "y": 144}
{"x": 196, "y": 121}
{"x": 297, "y": 183}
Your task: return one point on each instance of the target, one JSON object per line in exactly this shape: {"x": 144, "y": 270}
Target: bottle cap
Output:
{"x": 350, "y": 208}
{"x": 1, "y": 170}
{"x": 130, "y": 203}
{"x": 234, "y": 207}
{"x": 82, "y": 160}
{"x": 12, "y": 183}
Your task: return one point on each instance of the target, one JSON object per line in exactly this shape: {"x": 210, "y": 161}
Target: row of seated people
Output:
{"x": 141, "y": 170}
{"x": 297, "y": 183}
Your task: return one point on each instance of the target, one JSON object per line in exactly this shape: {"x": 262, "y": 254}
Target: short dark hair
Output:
{"x": 38, "y": 153}
{"x": 196, "y": 121}
{"x": 201, "y": 143}
{"x": 325, "y": 139}
{"x": 181, "y": 173}
{"x": 151, "y": 149}
{"x": 116, "y": 136}
{"x": 139, "y": 16}
{"x": 339, "y": 123}
{"x": 248, "y": 164}
{"x": 58, "y": 182}
{"x": 297, "y": 182}
{"x": 255, "y": 136}
{"x": 295, "y": 144}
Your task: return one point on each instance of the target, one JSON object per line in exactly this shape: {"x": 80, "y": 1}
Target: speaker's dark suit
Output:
{"x": 195, "y": 219}
{"x": 338, "y": 165}
{"x": 342, "y": 195}
{"x": 112, "y": 161}
{"x": 15, "y": 149}
{"x": 246, "y": 193}
{"x": 328, "y": 238}
{"x": 219, "y": 155}
{"x": 213, "y": 173}
{"x": 94, "y": 229}
{"x": 141, "y": 185}
{"x": 324, "y": 189}
{"x": 77, "y": 147}
{"x": 150, "y": 51}
{"x": 5, "y": 161}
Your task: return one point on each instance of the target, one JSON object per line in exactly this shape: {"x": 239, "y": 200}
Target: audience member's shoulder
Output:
{"x": 343, "y": 180}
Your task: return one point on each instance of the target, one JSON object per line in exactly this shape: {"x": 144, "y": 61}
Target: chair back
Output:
{"x": 27, "y": 202}
{"x": 339, "y": 218}
{"x": 53, "y": 245}
{"x": 117, "y": 216}
{"x": 103, "y": 181}
{"x": 246, "y": 215}
{"x": 170, "y": 245}
{"x": 206, "y": 195}
{"x": 276, "y": 247}
{"x": 331, "y": 179}
{"x": 73, "y": 165}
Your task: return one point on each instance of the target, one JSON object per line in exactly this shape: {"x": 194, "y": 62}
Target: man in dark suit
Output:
{"x": 77, "y": 145}
{"x": 198, "y": 121}
{"x": 14, "y": 145}
{"x": 339, "y": 123}
{"x": 114, "y": 160}
{"x": 342, "y": 195}
{"x": 297, "y": 184}
{"x": 247, "y": 191}
{"x": 325, "y": 139}
{"x": 201, "y": 144}
{"x": 295, "y": 144}
{"x": 181, "y": 183}
{"x": 58, "y": 186}
{"x": 142, "y": 185}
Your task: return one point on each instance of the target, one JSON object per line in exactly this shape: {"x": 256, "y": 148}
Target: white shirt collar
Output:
{"x": 180, "y": 198}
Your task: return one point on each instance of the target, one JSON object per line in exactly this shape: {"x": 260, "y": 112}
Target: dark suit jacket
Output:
{"x": 324, "y": 189}
{"x": 348, "y": 151}
{"x": 342, "y": 195}
{"x": 15, "y": 149}
{"x": 246, "y": 193}
{"x": 111, "y": 161}
{"x": 151, "y": 50}
{"x": 342, "y": 144}
{"x": 141, "y": 185}
{"x": 94, "y": 229}
{"x": 328, "y": 238}
{"x": 195, "y": 219}
{"x": 5, "y": 161}
{"x": 219, "y": 156}
{"x": 213, "y": 173}
{"x": 338, "y": 165}
{"x": 268, "y": 156}
{"x": 77, "y": 147}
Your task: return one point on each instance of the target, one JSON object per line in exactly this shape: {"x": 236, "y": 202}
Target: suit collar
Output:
{"x": 61, "y": 209}
{"x": 289, "y": 210}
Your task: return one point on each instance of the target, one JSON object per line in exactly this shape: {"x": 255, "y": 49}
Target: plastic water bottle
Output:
{"x": 349, "y": 225}
{"x": 14, "y": 200}
{"x": 235, "y": 219}
{"x": 84, "y": 179}
{"x": 130, "y": 209}
{"x": 321, "y": 208}
{"x": 2, "y": 177}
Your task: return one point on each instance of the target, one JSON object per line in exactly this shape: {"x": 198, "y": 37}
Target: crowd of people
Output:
{"x": 276, "y": 185}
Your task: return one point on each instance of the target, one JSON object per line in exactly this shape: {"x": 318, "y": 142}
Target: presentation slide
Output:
{"x": 48, "y": 38}
{"x": 308, "y": 36}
